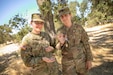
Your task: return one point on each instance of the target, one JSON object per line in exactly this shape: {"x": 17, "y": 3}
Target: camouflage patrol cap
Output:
{"x": 64, "y": 10}
{"x": 36, "y": 17}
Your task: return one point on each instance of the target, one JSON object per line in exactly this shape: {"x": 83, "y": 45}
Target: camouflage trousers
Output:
{"x": 74, "y": 67}
{"x": 35, "y": 72}
{"x": 49, "y": 69}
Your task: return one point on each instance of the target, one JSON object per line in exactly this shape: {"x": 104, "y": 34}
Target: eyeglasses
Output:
{"x": 37, "y": 22}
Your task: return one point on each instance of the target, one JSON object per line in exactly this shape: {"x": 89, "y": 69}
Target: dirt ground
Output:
{"x": 101, "y": 41}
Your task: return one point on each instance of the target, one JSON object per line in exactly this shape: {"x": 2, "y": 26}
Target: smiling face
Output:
{"x": 65, "y": 16}
{"x": 66, "y": 19}
{"x": 37, "y": 23}
{"x": 37, "y": 26}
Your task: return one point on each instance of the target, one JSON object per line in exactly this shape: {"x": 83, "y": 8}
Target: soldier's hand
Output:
{"x": 23, "y": 47}
{"x": 53, "y": 58}
{"x": 49, "y": 49}
{"x": 88, "y": 65}
{"x": 48, "y": 60}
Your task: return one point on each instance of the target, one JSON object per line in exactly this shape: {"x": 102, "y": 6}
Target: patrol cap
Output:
{"x": 64, "y": 10}
{"x": 36, "y": 17}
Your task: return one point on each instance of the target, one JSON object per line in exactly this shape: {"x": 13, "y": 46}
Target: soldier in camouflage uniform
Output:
{"x": 73, "y": 41}
{"x": 37, "y": 51}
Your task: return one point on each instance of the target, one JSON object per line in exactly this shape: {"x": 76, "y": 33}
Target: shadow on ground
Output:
{"x": 104, "y": 69}
{"x": 102, "y": 48}
{"x": 11, "y": 64}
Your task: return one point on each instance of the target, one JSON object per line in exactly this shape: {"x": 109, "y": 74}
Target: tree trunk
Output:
{"x": 46, "y": 11}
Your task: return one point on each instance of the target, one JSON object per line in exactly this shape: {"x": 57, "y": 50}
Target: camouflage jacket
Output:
{"x": 77, "y": 41}
{"x": 35, "y": 49}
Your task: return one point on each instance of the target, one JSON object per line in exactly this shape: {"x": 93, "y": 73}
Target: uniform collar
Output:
{"x": 69, "y": 27}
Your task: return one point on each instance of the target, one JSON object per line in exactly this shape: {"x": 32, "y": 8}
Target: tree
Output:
{"x": 45, "y": 7}
{"x": 23, "y": 31}
{"x": 46, "y": 11}
{"x": 17, "y": 22}
{"x": 20, "y": 27}
{"x": 83, "y": 8}
{"x": 101, "y": 11}
{"x": 73, "y": 5}
{"x": 5, "y": 32}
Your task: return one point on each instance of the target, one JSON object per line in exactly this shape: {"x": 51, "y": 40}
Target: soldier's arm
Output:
{"x": 27, "y": 56}
{"x": 85, "y": 42}
{"x": 29, "y": 59}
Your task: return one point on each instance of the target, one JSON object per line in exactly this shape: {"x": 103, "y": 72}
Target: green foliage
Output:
{"x": 83, "y": 8}
{"x": 22, "y": 33}
{"x": 102, "y": 12}
{"x": 93, "y": 22}
{"x": 19, "y": 26}
{"x": 15, "y": 30}
{"x": 17, "y": 22}
{"x": 73, "y": 6}
{"x": 95, "y": 18}
{"x": 5, "y": 32}
{"x": 45, "y": 8}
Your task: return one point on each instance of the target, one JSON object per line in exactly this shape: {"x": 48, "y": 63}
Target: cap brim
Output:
{"x": 63, "y": 13}
{"x": 40, "y": 20}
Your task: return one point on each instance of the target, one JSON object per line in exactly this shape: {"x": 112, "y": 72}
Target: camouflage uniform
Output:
{"x": 35, "y": 45}
{"x": 75, "y": 51}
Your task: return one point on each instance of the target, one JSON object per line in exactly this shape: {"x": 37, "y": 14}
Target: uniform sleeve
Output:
{"x": 85, "y": 42}
{"x": 30, "y": 60}
{"x": 27, "y": 56}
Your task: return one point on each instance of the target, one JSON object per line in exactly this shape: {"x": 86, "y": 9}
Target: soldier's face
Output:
{"x": 37, "y": 26}
{"x": 66, "y": 19}
{"x": 60, "y": 35}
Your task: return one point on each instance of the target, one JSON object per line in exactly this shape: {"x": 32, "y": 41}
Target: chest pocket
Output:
{"x": 36, "y": 47}
{"x": 74, "y": 37}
